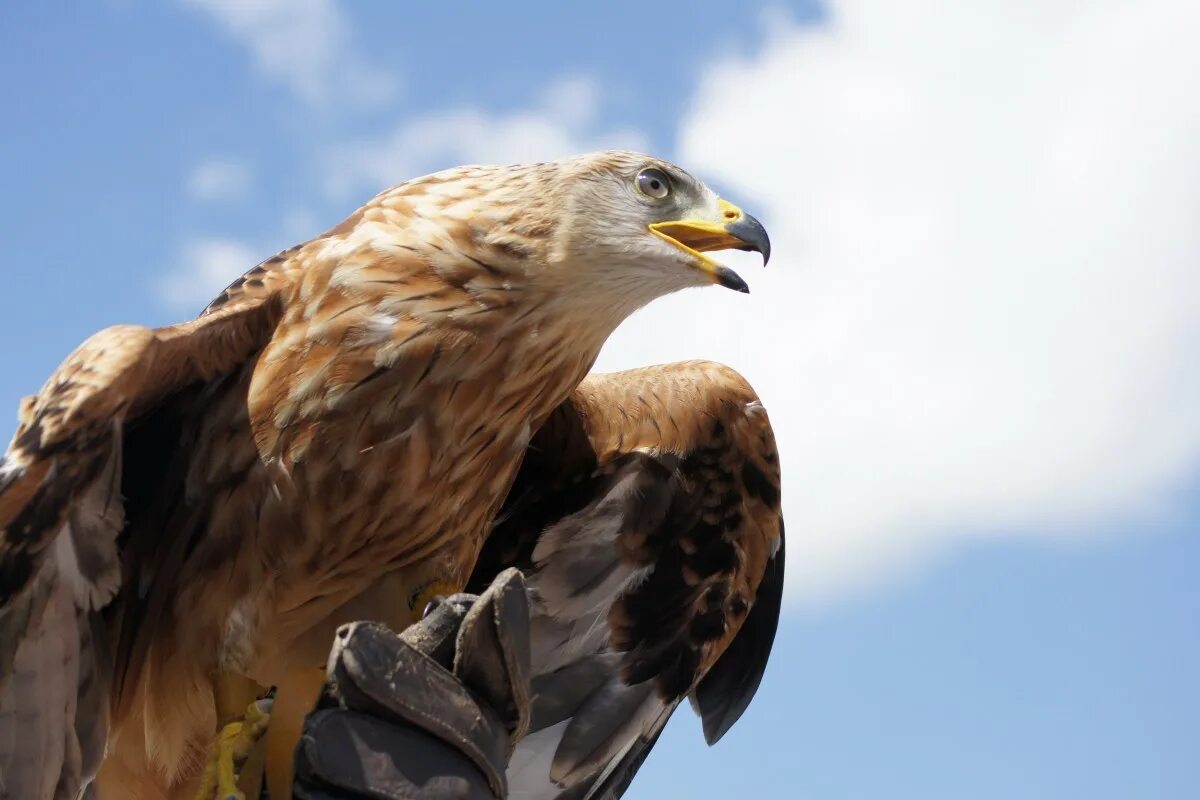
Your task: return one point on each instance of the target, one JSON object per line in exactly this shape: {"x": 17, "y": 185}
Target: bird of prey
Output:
{"x": 187, "y": 513}
{"x": 646, "y": 517}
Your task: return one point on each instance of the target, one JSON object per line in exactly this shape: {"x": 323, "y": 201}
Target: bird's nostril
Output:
{"x": 731, "y": 215}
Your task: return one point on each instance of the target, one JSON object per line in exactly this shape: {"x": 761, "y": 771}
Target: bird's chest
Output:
{"x": 372, "y": 495}
{"x": 404, "y": 482}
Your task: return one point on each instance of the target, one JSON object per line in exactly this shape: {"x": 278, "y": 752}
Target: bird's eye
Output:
{"x": 653, "y": 183}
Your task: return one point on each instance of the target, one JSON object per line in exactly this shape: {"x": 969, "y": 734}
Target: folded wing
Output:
{"x": 96, "y": 432}
{"x": 646, "y": 516}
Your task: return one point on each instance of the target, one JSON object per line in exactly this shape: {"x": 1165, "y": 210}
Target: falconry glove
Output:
{"x": 431, "y": 713}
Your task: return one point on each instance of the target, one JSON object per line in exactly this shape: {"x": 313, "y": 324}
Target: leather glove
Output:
{"x": 430, "y": 713}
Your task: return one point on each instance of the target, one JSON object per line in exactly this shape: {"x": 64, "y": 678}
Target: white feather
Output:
{"x": 529, "y": 767}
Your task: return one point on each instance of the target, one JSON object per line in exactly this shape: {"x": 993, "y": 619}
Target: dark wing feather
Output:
{"x": 613, "y": 785}
{"x": 74, "y": 476}
{"x": 654, "y": 568}
{"x": 726, "y": 691}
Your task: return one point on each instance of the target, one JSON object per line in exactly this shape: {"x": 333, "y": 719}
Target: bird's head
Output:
{"x": 611, "y": 230}
{"x": 632, "y": 220}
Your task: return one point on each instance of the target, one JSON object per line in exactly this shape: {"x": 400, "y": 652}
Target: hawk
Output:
{"x": 188, "y": 513}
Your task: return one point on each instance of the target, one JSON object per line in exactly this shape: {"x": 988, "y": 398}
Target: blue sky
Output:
{"x": 976, "y": 338}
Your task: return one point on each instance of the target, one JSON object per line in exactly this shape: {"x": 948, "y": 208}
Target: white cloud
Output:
{"x": 206, "y": 266}
{"x": 305, "y": 44}
{"x": 983, "y": 316}
{"x": 218, "y": 179}
{"x": 561, "y": 124}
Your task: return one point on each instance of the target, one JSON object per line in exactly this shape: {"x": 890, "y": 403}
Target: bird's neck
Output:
{"x": 590, "y": 307}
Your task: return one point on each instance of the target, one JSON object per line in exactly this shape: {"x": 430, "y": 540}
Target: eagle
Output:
{"x": 188, "y": 513}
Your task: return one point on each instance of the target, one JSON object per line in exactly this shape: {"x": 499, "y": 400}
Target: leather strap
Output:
{"x": 295, "y": 696}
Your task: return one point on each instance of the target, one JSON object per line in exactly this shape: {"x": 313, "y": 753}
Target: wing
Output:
{"x": 646, "y": 517}
{"x": 80, "y": 446}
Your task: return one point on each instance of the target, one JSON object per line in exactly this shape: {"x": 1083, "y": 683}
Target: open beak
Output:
{"x": 734, "y": 230}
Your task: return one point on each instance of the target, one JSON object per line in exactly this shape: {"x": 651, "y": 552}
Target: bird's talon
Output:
{"x": 234, "y": 743}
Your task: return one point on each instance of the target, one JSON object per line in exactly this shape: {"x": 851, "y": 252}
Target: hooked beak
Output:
{"x": 734, "y": 230}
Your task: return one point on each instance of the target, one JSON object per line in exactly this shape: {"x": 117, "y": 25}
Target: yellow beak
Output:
{"x": 734, "y": 230}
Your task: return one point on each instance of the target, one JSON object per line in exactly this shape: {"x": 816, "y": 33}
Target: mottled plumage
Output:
{"x": 332, "y": 437}
{"x": 646, "y": 517}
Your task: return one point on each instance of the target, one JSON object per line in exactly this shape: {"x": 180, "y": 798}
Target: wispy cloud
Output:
{"x": 218, "y": 179}
{"x": 562, "y": 122}
{"x": 983, "y": 312}
{"x": 206, "y": 266}
{"x": 304, "y": 44}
